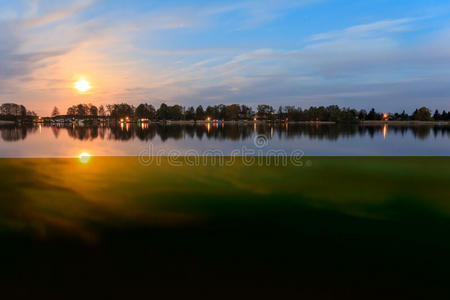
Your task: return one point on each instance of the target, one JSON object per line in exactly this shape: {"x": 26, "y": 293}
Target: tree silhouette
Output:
{"x": 55, "y": 112}
{"x": 422, "y": 114}
{"x": 436, "y": 115}
{"x": 199, "y": 113}
{"x": 101, "y": 111}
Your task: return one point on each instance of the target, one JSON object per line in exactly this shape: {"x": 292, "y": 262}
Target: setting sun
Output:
{"x": 82, "y": 86}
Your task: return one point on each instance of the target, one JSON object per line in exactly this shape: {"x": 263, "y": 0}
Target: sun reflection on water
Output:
{"x": 84, "y": 157}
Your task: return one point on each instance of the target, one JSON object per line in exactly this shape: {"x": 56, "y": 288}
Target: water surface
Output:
{"x": 311, "y": 140}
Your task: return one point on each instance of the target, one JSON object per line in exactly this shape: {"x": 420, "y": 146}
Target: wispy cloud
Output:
{"x": 61, "y": 13}
{"x": 379, "y": 28}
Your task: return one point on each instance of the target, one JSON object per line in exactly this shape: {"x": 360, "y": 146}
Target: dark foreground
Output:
{"x": 336, "y": 228}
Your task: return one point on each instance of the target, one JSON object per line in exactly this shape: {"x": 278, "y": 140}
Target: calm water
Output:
{"x": 312, "y": 140}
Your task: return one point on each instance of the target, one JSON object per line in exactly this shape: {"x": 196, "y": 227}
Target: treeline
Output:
{"x": 82, "y": 110}
{"x": 331, "y": 113}
{"x": 15, "y": 112}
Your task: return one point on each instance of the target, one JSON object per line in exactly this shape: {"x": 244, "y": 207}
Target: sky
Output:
{"x": 391, "y": 55}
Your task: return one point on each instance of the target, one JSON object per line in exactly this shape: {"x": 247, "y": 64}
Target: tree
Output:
{"x": 264, "y": 110}
{"x": 176, "y": 112}
{"x": 373, "y": 115}
{"x": 199, "y": 113}
{"x": 72, "y": 111}
{"x": 13, "y": 109}
{"x": 151, "y": 111}
{"x": 163, "y": 112}
{"x": 82, "y": 110}
{"x": 246, "y": 112}
{"x": 23, "y": 111}
{"x": 120, "y": 111}
{"x": 437, "y": 116}
{"x": 221, "y": 111}
{"x": 93, "y": 110}
{"x": 101, "y": 111}
{"x": 212, "y": 112}
{"x": 142, "y": 111}
{"x": 55, "y": 112}
{"x": 404, "y": 116}
{"x": 189, "y": 114}
{"x": 110, "y": 109}
{"x": 422, "y": 114}
{"x": 293, "y": 114}
{"x": 145, "y": 111}
{"x": 362, "y": 114}
{"x": 233, "y": 111}
{"x": 334, "y": 113}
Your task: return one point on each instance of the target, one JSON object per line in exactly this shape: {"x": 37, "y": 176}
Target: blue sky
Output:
{"x": 391, "y": 55}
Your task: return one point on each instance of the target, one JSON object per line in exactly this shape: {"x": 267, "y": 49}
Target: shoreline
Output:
{"x": 265, "y": 122}
{"x": 405, "y": 122}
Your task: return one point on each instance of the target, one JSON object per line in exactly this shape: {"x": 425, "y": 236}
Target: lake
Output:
{"x": 218, "y": 139}
{"x": 324, "y": 228}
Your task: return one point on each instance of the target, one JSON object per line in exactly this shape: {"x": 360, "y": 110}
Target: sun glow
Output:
{"x": 85, "y": 157}
{"x": 82, "y": 86}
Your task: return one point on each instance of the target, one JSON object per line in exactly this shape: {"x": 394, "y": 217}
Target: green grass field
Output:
{"x": 355, "y": 227}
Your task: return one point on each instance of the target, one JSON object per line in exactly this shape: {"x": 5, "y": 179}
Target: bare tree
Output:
{"x": 55, "y": 112}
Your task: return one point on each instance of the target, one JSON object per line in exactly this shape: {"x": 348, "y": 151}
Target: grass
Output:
{"x": 333, "y": 227}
